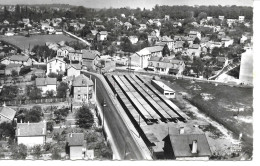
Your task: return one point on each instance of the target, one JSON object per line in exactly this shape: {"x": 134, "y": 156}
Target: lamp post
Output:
{"x": 104, "y": 105}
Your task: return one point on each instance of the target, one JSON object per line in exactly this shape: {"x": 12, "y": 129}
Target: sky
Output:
{"x": 148, "y": 4}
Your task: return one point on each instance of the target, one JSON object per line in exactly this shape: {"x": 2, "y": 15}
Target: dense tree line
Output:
{"x": 175, "y": 12}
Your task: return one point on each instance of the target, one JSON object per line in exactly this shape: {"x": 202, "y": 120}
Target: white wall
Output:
{"x": 75, "y": 152}
{"x": 31, "y": 141}
{"x": 192, "y": 158}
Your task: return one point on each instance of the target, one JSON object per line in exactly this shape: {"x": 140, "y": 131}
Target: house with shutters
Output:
{"x": 76, "y": 145}
{"x": 46, "y": 84}
{"x": 75, "y": 55}
{"x": 82, "y": 88}
{"x": 6, "y": 114}
{"x": 90, "y": 59}
{"x": 56, "y": 65}
{"x": 31, "y": 134}
{"x": 64, "y": 51}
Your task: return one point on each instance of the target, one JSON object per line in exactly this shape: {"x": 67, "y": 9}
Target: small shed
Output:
{"x": 163, "y": 88}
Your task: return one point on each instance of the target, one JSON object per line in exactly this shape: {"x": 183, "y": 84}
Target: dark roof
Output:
{"x": 90, "y": 54}
{"x": 11, "y": 65}
{"x": 7, "y": 112}
{"x": 53, "y": 59}
{"x": 75, "y": 139}
{"x": 194, "y": 46}
{"x": 75, "y": 66}
{"x": 19, "y": 58}
{"x": 181, "y": 145}
{"x": 31, "y": 129}
{"x": 155, "y": 58}
{"x": 82, "y": 80}
{"x": 45, "y": 81}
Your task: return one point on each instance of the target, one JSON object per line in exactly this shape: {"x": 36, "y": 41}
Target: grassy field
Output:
{"x": 23, "y": 42}
{"x": 221, "y": 103}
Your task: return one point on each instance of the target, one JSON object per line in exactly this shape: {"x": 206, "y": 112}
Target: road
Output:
{"x": 124, "y": 142}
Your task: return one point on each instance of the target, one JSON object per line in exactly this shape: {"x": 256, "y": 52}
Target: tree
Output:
{"x": 14, "y": 73}
{"x": 8, "y": 93}
{"x": 185, "y": 44}
{"x": 196, "y": 41}
{"x": 166, "y": 50}
{"x": 18, "y": 152}
{"x": 55, "y": 155}
{"x": 25, "y": 70}
{"x": 198, "y": 66}
{"x": 53, "y": 75}
{"x": 62, "y": 90}
{"x": 33, "y": 92}
{"x": 34, "y": 115}
{"x": 50, "y": 93}
{"x": 202, "y": 15}
{"x": 84, "y": 117}
{"x": 6, "y": 130}
{"x": 61, "y": 114}
{"x": 37, "y": 151}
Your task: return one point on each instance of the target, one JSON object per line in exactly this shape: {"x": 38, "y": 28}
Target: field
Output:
{"x": 23, "y": 42}
{"x": 230, "y": 106}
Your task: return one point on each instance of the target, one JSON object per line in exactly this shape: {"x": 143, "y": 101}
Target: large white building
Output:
{"x": 56, "y": 65}
{"x": 31, "y": 134}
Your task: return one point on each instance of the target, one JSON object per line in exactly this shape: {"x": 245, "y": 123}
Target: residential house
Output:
{"x": 26, "y": 21}
{"x": 150, "y": 22}
{"x": 178, "y": 46}
{"x": 74, "y": 70}
{"x": 156, "y": 33}
{"x": 75, "y": 55}
{"x": 165, "y": 65}
{"x": 194, "y": 50}
{"x": 187, "y": 147}
{"x": 194, "y": 34}
{"x": 157, "y": 22}
{"x": 209, "y": 18}
{"x": 241, "y": 19}
{"x": 46, "y": 84}
{"x": 102, "y": 35}
{"x": 5, "y": 22}
{"x": 56, "y": 65}
{"x": 227, "y": 41}
{"x": 133, "y": 39}
{"x": 142, "y": 27}
{"x": 177, "y": 24}
{"x": 89, "y": 59}
{"x": 222, "y": 61}
{"x": 128, "y": 25}
{"x": 82, "y": 88}
{"x": 16, "y": 67}
{"x": 17, "y": 59}
{"x": 230, "y": 22}
{"x": 170, "y": 43}
{"x": 166, "y": 17}
{"x": 64, "y": 51}
{"x": 221, "y": 17}
{"x": 6, "y": 114}
{"x": 31, "y": 134}
{"x": 141, "y": 57}
{"x": 221, "y": 34}
{"x": 77, "y": 145}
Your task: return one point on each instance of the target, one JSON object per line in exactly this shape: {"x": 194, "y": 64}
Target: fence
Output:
{"x": 36, "y": 101}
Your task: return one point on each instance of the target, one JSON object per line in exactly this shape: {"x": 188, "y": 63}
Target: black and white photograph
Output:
{"x": 127, "y": 80}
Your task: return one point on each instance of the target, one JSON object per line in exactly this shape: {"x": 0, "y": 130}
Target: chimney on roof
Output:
{"x": 194, "y": 146}
{"x": 43, "y": 130}
{"x": 21, "y": 121}
{"x": 4, "y": 104}
{"x": 71, "y": 135}
{"x": 28, "y": 123}
{"x": 181, "y": 130}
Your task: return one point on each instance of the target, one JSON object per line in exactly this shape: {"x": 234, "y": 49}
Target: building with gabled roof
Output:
{"x": 6, "y": 114}
{"x": 82, "y": 88}
{"x": 46, "y": 84}
{"x": 90, "y": 59}
{"x": 102, "y": 35}
{"x": 16, "y": 67}
{"x": 187, "y": 147}
{"x": 77, "y": 145}
{"x": 56, "y": 65}
{"x": 31, "y": 134}
{"x": 74, "y": 70}
{"x": 141, "y": 57}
